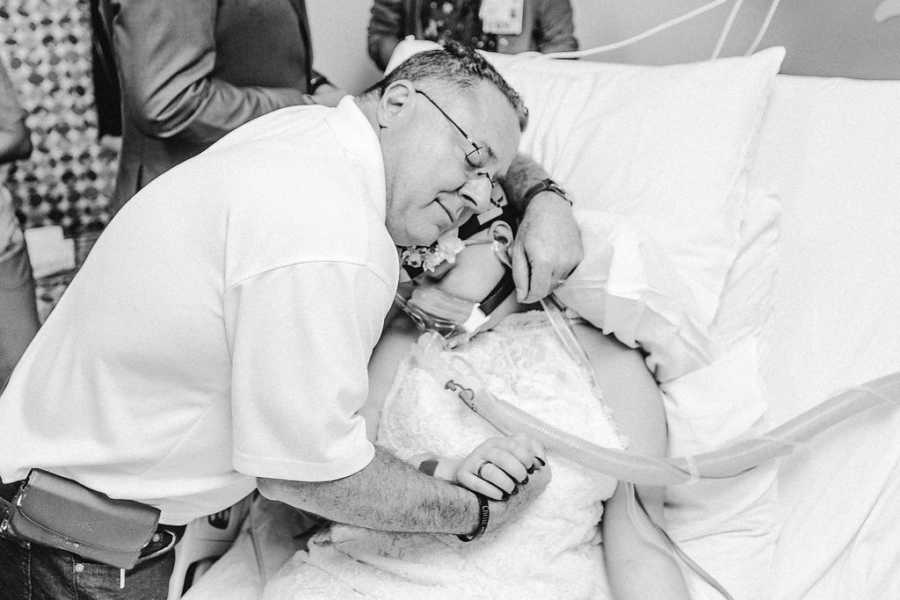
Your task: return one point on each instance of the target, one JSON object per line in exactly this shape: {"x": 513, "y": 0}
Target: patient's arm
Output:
{"x": 398, "y": 336}
{"x": 636, "y": 568}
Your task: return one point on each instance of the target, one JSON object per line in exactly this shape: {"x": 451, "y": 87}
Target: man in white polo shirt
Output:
{"x": 216, "y": 339}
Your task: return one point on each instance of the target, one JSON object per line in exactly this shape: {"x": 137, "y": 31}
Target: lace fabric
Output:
{"x": 551, "y": 551}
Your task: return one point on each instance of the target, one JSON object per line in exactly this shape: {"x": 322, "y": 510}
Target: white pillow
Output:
{"x": 627, "y": 286}
{"x": 662, "y": 145}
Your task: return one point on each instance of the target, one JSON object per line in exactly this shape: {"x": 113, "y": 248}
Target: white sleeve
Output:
{"x": 300, "y": 338}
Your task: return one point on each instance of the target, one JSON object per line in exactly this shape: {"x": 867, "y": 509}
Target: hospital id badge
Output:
{"x": 502, "y": 17}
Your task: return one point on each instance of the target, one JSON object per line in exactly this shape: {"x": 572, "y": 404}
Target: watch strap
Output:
{"x": 545, "y": 185}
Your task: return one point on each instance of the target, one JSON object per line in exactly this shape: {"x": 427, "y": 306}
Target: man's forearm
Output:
{"x": 387, "y": 495}
{"x": 523, "y": 173}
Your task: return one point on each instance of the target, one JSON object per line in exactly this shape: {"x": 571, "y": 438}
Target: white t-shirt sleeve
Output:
{"x": 300, "y": 339}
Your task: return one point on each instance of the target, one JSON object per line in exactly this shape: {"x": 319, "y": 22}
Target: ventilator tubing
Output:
{"x": 648, "y": 470}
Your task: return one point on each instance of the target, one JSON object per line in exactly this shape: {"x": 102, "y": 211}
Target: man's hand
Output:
{"x": 547, "y": 248}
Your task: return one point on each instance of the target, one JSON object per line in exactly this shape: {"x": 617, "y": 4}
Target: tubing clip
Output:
{"x": 465, "y": 394}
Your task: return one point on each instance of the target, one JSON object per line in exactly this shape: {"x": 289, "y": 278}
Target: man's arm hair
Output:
{"x": 388, "y": 495}
{"x": 522, "y": 174}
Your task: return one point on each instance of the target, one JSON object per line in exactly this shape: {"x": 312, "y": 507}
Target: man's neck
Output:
{"x": 367, "y": 104}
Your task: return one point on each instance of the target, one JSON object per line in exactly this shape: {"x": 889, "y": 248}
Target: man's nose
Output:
{"x": 477, "y": 193}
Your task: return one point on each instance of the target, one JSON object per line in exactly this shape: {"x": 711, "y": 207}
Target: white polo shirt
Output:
{"x": 221, "y": 327}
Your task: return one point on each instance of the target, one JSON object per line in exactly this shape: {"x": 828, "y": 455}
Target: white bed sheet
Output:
{"x": 831, "y": 149}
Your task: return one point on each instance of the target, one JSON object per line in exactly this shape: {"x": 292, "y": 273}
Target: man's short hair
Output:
{"x": 456, "y": 65}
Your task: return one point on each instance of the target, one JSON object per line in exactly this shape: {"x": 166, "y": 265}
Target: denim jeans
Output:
{"x": 34, "y": 572}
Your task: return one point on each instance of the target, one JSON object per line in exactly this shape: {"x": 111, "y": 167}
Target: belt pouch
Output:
{"x": 61, "y": 513}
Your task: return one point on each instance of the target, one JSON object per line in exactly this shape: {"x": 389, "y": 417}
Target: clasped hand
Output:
{"x": 501, "y": 466}
{"x": 510, "y": 471}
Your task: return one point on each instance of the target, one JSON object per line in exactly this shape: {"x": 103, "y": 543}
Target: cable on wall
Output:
{"x": 723, "y": 35}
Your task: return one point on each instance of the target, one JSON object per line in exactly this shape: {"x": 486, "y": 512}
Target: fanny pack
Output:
{"x": 61, "y": 513}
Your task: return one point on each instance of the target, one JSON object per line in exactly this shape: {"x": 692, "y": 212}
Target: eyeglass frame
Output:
{"x": 476, "y": 147}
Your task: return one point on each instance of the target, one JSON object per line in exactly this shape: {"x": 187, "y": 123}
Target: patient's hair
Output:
{"x": 456, "y": 65}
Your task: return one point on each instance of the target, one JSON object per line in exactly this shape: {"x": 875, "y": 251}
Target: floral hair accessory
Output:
{"x": 430, "y": 257}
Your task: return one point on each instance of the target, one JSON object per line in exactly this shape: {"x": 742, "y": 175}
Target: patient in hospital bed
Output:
{"x": 577, "y": 539}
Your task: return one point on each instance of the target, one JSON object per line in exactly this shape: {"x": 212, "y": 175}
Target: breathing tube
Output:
{"x": 729, "y": 461}
{"x": 635, "y": 469}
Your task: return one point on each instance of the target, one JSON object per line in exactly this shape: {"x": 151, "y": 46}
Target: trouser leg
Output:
{"x": 34, "y": 572}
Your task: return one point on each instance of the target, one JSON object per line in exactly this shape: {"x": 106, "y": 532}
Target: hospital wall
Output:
{"x": 857, "y": 38}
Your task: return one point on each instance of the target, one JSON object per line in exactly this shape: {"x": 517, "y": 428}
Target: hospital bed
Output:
{"x": 829, "y": 149}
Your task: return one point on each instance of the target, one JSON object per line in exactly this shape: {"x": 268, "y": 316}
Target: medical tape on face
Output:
{"x": 475, "y": 320}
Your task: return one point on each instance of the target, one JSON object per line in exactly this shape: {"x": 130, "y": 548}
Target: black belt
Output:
{"x": 165, "y": 537}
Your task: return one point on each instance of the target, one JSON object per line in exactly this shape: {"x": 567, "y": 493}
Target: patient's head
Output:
{"x": 478, "y": 277}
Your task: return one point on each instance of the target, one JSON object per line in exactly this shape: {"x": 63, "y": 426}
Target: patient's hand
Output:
{"x": 512, "y": 471}
{"x": 506, "y": 511}
{"x": 500, "y": 466}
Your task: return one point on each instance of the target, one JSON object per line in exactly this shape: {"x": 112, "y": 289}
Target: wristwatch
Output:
{"x": 545, "y": 185}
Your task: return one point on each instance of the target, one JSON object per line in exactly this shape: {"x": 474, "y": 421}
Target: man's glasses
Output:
{"x": 477, "y": 157}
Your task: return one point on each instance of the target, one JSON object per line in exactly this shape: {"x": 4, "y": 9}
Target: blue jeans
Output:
{"x": 34, "y": 572}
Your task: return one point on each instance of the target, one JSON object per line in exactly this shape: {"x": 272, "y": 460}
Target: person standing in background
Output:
{"x": 190, "y": 72}
{"x": 507, "y": 26}
{"x": 18, "y": 308}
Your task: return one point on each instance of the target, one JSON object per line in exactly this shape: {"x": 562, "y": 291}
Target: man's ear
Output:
{"x": 394, "y": 102}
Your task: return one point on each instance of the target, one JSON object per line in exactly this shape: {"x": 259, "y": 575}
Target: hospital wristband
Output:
{"x": 484, "y": 515}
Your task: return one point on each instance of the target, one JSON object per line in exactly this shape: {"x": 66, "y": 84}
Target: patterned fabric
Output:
{"x": 444, "y": 20}
{"x": 46, "y": 48}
